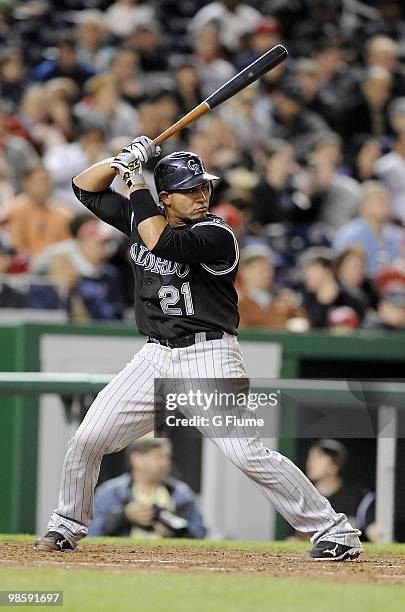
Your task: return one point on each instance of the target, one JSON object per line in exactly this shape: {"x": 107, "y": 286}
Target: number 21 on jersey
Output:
{"x": 170, "y": 296}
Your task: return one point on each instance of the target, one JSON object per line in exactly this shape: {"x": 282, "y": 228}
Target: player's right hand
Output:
{"x": 143, "y": 149}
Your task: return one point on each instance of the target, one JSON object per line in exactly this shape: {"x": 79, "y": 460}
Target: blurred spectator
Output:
{"x": 125, "y": 69}
{"x": 32, "y": 219}
{"x": 335, "y": 81}
{"x": 9, "y": 296}
{"x": 260, "y": 305}
{"x": 272, "y": 196}
{"x": 390, "y": 168}
{"x": 147, "y": 41}
{"x": 83, "y": 282}
{"x": 241, "y": 116}
{"x": 322, "y": 291}
{"x": 368, "y": 114}
{"x": 212, "y": 68}
{"x": 90, "y": 40}
{"x": 35, "y": 118}
{"x": 232, "y": 18}
{"x": 290, "y": 119}
{"x": 372, "y": 230}
{"x": 317, "y": 98}
{"x": 17, "y": 153}
{"x": 325, "y": 467}
{"x": 147, "y": 502}
{"x": 104, "y": 109}
{"x": 12, "y": 76}
{"x": 264, "y": 36}
{"x": 232, "y": 215}
{"x": 394, "y": 271}
{"x": 366, "y": 150}
{"x": 351, "y": 272}
{"x": 66, "y": 64}
{"x": 187, "y": 86}
{"x": 7, "y": 190}
{"x": 390, "y": 315}
{"x": 66, "y": 160}
{"x": 123, "y": 16}
{"x": 334, "y": 196}
{"x": 383, "y": 51}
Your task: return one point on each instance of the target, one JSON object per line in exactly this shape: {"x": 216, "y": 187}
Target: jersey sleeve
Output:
{"x": 108, "y": 206}
{"x": 204, "y": 243}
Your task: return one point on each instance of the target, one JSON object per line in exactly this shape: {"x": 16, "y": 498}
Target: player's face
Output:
{"x": 187, "y": 205}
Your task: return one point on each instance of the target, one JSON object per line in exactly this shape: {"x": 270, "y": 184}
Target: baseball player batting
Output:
{"x": 184, "y": 262}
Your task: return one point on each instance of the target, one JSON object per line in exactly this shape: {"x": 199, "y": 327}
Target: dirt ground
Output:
{"x": 367, "y": 568}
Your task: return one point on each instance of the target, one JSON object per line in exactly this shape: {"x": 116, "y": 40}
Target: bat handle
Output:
{"x": 199, "y": 110}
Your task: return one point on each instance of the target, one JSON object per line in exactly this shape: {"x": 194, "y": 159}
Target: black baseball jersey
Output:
{"x": 185, "y": 284}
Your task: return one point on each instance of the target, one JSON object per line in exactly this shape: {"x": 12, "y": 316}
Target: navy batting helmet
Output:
{"x": 180, "y": 170}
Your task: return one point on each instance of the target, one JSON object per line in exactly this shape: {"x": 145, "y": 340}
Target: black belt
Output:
{"x": 187, "y": 340}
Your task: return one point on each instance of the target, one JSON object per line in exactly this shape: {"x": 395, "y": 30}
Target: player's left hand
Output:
{"x": 143, "y": 149}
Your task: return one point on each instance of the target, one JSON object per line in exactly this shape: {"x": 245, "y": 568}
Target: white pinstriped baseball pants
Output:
{"x": 124, "y": 411}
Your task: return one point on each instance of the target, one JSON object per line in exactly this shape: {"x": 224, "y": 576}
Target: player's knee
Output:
{"x": 85, "y": 442}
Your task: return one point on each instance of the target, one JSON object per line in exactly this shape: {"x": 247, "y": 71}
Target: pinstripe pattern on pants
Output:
{"x": 124, "y": 411}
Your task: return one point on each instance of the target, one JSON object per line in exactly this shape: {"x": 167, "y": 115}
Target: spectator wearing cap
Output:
{"x": 390, "y": 314}
{"x": 232, "y": 18}
{"x": 290, "y": 119}
{"x": 260, "y": 305}
{"x": 325, "y": 465}
{"x": 32, "y": 219}
{"x": 66, "y": 64}
{"x": 123, "y": 16}
{"x": 90, "y": 34}
{"x": 335, "y": 81}
{"x": 372, "y": 230}
{"x": 83, "y": 283}
{"x": 390, "y": 168}
{"x": 322, "y": 292}
{"x": 264, "y": 36}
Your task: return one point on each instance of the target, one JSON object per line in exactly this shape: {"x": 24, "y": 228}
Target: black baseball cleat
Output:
{"x": 331, "y": 551}
{"x": 53, "y": 541}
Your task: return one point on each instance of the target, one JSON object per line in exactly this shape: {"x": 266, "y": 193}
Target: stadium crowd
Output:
{"x": 311, "y": 157}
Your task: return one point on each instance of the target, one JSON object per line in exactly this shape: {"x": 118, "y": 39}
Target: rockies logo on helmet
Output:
{"x": 195, "y": 166}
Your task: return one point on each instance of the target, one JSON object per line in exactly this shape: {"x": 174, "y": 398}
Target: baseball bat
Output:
{"x": 245, "y": 77}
